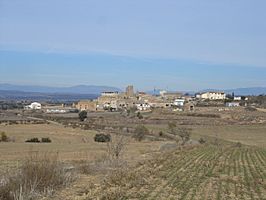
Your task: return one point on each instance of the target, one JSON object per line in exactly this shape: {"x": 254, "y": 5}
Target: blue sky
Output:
{"x": 174, "y": 44}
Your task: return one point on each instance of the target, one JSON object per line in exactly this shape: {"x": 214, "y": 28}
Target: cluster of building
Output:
{"x": 141, "y": 101}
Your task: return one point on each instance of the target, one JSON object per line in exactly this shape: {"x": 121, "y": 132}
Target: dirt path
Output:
{"x": 40, "y": 119}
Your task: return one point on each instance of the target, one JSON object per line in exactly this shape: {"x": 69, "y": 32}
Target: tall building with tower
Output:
{"x": 130, "y": 91}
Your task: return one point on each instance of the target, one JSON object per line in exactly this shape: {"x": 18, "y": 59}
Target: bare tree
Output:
{"x": 140, "y": 132}
{"x": 116, "y": 147}
{"x": 184, "y": 134}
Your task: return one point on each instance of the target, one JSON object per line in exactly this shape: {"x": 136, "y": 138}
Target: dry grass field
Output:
{"x": 254, "y": 134}
{"x": 71, "y": 144}
{"x": 230, "y": 165}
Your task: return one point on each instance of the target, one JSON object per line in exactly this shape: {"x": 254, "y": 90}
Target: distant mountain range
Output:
{"x": 75, "y": 93}
{"x": 79, "y": 89}
{"x": 36, "y": 96}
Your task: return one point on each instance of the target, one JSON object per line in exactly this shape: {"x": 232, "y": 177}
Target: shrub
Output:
{"x": 161, "y": 133}
{"x": 140, "y": 133}
{"x": 46, "y": 140}
{"x": 4, "y": 137}
{"x": 33, "y": 140}
{"x": 139, "y": 115}
{"x": 202, "y": 141}
{"x": 110, "y": 160}
{"x": 184, "y": 134}
{"x": 102, "y": 137}
{"x": 39, "y": 174}
{"x": 238, "y": 144}
{"x": 83, "y": 115}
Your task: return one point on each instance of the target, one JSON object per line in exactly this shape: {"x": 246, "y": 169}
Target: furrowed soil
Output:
{"x": 206, "y": 172}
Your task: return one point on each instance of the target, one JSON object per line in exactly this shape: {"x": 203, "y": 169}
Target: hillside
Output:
{"x": 79, "y": 89}
{"x": 37, "y": 96}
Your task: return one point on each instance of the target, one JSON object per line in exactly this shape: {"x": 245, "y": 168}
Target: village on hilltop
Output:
{"x": 144, "y": 102}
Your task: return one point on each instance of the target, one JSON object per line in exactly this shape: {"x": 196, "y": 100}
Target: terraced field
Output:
{"x": 206, "y": 172}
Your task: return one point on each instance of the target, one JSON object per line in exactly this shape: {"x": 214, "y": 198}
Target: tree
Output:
{"x": 140, "y": 132}
{"x": 184, "y": 134}
{"x": 83, "y": 115}
{"x": 116, "y": 146}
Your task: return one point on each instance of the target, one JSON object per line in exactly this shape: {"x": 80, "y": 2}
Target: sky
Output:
{"x": 167, "y": 44}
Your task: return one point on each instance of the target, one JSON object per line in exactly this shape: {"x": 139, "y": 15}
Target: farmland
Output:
{"x": 229, "y": 164}
{"x": 207, "y": 172}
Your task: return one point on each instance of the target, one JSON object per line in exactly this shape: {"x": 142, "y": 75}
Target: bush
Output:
{"x": 238, "y": 144}
{"x": 184, "y": 134}
{"x": 33, "y": 140}
{"x": 161, "y": 133}
{"x": 4, "y": 137}
{"x": 40, "y": 174}
{"x": 140, "y": 133}
{"x": 83, "y": 115}
{"x": 202, "y": 141}
{"x": 46, "y": 140}
{"x": 102, "y": 137}
{"x": 139, "y": 115}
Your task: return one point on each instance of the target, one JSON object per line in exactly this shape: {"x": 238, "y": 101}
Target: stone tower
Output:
{"x": 130, "y": 91}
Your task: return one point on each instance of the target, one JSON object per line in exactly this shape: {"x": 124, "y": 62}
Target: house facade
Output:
{"x": 179, "y": 102}
{"x": 143, "y": 106}
{"x": 211, "y": 95}
{"x": 86, "y": 105}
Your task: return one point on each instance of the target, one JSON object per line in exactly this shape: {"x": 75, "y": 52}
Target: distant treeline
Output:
{"x": 7, "y": 105}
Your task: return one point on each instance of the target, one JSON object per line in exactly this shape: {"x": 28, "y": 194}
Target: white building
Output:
{"x": 34, "y": 106}
{"x": 179, "y": 102}
{"x": 112, "y": 105}
{"x": 212, "y": 95}
{"x": 232, "y": 104}
{"x": 143, "y": 106}
{"x": 237, "y": 98}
